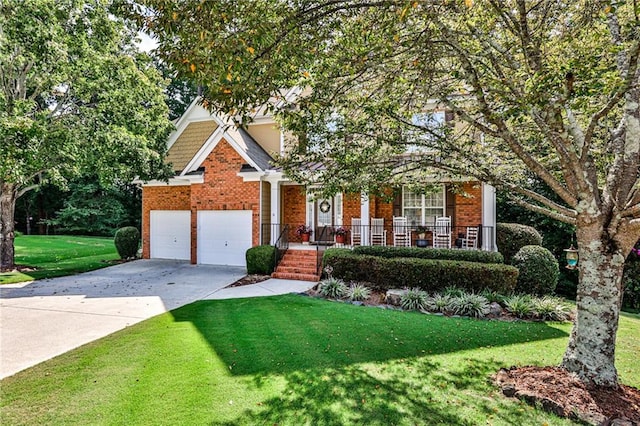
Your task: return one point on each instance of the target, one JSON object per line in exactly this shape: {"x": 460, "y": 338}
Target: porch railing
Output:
{"x": 325, "y": 237}
{"x": 281, "y": 244}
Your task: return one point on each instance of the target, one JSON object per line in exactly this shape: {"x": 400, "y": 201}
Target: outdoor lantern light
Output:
{"x": 572, "y": 256}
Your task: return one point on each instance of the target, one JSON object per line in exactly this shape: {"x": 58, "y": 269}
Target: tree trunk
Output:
{"x": 7, "y": 225}
{"x": 591, "y": 350}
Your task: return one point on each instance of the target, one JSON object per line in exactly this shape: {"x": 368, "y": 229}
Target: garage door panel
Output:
{"x": 170, "y": 234}
{"x": 224, "y": 236}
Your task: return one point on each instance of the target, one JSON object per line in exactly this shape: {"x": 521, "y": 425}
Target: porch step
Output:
{"x": 298, "y": 265}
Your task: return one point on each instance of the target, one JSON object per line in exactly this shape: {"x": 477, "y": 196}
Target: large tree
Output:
{"x": 75, "y": 97}
{"x": 548, "y": 87}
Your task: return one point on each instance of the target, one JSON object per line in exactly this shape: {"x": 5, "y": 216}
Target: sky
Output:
{"x": 146, "y": 42}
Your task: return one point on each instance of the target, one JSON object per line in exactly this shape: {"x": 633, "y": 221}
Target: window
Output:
{"x": 434, "y": 121}
{"x": 422, "y": 209}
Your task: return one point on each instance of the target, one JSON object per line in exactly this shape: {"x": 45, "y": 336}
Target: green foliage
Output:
{"x": 511, "y": 237}
{"x": 127, "y": 241}
{"x": 551, "y": 309}
{"x": 556, "y": 235}
{"x": 427, "y": 274}
{"x": 261, "y": 260}
{"x": 77, "y": 98}
{"x": 419, "y": 253}
{"x": 333, "y": 288}
{"x": 439, "y": 303}
{"x": 538, "y": 270}
{"x": 358, "y": 292}
{"x": 631, "y": 281}
{"x": 470, "y": 305}
{"x": 520, "y": 305}
{"x": 414, "y": 299}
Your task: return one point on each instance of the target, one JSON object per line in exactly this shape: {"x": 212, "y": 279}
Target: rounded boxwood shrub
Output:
{"x": 127, "y": 241}
{"x": 261, "y": 260}
{"x": 538, "y": 270}
{"x": 511, "y": 237}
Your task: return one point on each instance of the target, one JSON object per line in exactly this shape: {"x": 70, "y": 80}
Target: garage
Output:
{"x": 224, "y": 236}
{"x": 170, "y": 234}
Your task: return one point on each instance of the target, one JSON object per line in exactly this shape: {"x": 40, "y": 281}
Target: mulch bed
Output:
{"x": 560, "y": 392}
{"x": 20, "y": 268}
{"x": 250, "y": 279}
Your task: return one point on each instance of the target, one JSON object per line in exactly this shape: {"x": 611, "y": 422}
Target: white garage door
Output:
{"x": 224, "y": 236}
{"x": 170, "y": 234}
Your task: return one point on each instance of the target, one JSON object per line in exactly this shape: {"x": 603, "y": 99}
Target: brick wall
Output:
{"x": 469, "y": 208}
{"x": 222, "y": 190}
{"x": 161, "y": 198}
{"x": 294, "y": 208}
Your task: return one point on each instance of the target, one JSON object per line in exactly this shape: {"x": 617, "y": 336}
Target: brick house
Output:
{"x": 226, "y": 197}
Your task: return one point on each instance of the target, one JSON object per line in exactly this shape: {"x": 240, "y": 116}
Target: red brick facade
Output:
{"x": 294, "y": 209}
{"x": 222, "y": 189}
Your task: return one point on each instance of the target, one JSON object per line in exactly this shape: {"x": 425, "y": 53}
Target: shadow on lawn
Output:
{"x": 406, "y": 391}
{"x": 284, "y": 334}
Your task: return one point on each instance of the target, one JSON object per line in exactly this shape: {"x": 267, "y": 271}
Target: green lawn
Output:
{"x": 55, "y": 256}
{"x": 293, "y": 360}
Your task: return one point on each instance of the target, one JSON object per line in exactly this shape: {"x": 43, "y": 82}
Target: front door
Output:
{"x": 324, "y": 220}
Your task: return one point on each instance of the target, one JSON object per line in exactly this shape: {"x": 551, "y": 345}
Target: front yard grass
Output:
{"x": 293, "y": 360}
{"x": 59, "y": 255}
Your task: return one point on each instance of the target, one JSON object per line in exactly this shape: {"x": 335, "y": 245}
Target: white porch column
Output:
{"x": 489, "y": 217}
{"x": 275, "y": 209}
{"x": 364, "y": 218}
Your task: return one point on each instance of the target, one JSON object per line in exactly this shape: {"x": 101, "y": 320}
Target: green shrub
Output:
{"x": 414, "y": 299}
{"x": 492, "y": 296}
{"x": 631, "y": 280}
{"x": 511, "y": 237}
{"x": 427, "y": 274}
{"x": 538, "y": 270}
{"x": 127, "y": 241}
{"x": 470, "y": 305}
{"x": 333, "y": 288}
{"x": 439, "y": 303}
{"x": 453, "y": 291}
{"x": 551, "y": 309}
{"x": 358, "y": 291}
{"x": 261, "y": 260}
{"x": 520, "y": 305}
{"x": 421, "y": 253}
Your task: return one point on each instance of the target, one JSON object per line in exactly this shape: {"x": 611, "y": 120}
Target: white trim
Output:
{"x": 182, "y": 181}
{"x": 211, "y": 144}
{"x": 364, "y": 217}
{"x": 250, "y": 176}
{"x": 187, "y": 119}
{"x": 489, "y": 217}
{"x": 422, "y": 202}
{"x": 338, "y": 209}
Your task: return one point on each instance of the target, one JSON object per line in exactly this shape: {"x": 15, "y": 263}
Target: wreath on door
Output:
{"x": 325, "y": 206}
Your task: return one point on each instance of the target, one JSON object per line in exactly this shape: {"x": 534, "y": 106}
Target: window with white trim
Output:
{"x": 421, "y": 209}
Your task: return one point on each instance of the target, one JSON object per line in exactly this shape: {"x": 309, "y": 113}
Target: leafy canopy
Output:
{"x": 76, "y": 95}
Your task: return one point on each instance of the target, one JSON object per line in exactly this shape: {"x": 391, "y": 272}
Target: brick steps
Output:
{"x": 297, "y": 265}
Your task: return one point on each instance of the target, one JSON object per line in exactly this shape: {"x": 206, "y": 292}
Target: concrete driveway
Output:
{"x": 43, "y": 319}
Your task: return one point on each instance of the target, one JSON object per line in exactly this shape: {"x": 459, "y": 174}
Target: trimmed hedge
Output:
{"x": 261, "y": 260}
{"x": 511, "y": 237}
{"x": 538, "y": 270}
{"x": 427, "y": 274}
{"x": 421, "y": 253}
{"x": 127, "y": 241}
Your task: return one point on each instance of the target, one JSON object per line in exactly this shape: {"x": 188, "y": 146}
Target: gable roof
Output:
{"x": 189, "y": 142}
